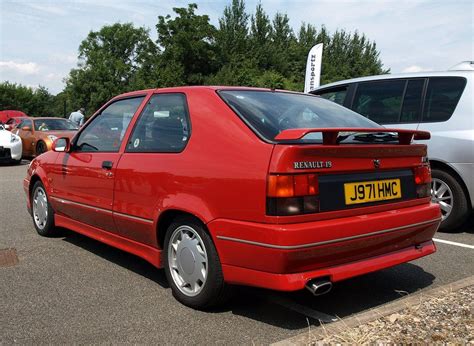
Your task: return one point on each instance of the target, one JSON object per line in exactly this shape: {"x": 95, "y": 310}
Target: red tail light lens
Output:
{"x": 292, "y": 194}
{"x": 422, "y": 176}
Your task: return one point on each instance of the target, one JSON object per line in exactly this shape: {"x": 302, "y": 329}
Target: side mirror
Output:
{"x": 26, "y": 128}
{"x": 61, "y": 145}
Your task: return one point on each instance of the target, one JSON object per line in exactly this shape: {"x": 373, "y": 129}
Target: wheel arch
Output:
{"x": 33, "y": 180}
{"x": 167, "y": 217}
{"x": 436, "y": 164}
{"x": 38, "y": 143}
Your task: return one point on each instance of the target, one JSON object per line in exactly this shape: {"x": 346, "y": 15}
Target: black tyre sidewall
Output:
{"x": 214, "y": 287}
{"x": 38, "y": 146}
{"x": 49, "y": 230}
{"x": 460, "y": 210}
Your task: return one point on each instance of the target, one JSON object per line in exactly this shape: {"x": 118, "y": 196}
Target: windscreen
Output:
{"x": 270, "y": 112}
{"x": 55, "y": 125}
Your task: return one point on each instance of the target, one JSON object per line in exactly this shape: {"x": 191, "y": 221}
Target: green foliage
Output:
{"x": 246, "y": 49}
{"x": 115, "y": 59}
{"x": 189, "y": 51}
{"x": 34, "y": 102}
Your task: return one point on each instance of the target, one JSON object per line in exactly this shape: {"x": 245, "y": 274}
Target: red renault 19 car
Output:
{"x": 225, "y": 185}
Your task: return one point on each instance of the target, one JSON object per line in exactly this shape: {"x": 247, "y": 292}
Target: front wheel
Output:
{"x": 42, "y": 213}
{"x": 449, "y": 194}
{"x": 192, "y": 265}
{"x": 40, "y": 148}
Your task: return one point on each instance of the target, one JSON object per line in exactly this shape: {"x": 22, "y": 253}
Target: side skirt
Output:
{"x": 148, "y": 253}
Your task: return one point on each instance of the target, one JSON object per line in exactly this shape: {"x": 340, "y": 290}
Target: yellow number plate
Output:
{"x": 372, "y": 191}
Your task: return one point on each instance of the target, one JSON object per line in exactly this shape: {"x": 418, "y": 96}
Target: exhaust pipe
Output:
{"x": 319, "y": 286}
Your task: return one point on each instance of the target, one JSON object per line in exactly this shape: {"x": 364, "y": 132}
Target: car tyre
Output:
{"x": 41, "y": 211}
{"x": 40, "y": 148}
{"x": 449, "y": 194}
{"x": 187, "y": 246}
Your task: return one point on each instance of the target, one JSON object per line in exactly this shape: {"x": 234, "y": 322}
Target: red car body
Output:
{"x": 222, "y": 179}
{"x": 9, "y": 117}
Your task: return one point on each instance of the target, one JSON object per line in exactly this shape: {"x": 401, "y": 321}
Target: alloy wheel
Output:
{"x": 187, "y": 260}
{"x": 40, "y": 208}
{"x": 441, "y": 193}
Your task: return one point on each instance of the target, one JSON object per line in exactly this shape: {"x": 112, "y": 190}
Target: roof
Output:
{"x": 196, "y": 87}
{"x": 46, "y": 118}
{"x": 453, "y": 73}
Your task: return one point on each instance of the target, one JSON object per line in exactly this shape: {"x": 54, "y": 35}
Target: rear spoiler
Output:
{"x": 330, "y": 134}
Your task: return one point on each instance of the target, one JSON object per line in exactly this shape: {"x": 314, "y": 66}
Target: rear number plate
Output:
{"x": 372, "y": 191}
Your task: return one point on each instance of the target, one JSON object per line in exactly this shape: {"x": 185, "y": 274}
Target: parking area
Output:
{"x": 74, "y": 289}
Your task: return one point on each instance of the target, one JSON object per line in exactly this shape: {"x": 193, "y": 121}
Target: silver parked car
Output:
{"x": 439, "y": 102}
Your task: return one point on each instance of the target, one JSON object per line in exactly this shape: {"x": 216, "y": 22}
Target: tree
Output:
{"x": 115, "y": 59}
{"x": 232, "y": 37}
{"x": 189, "y": 51}
{"x": 260, "y": 38}
{"x": 34, "y": 102}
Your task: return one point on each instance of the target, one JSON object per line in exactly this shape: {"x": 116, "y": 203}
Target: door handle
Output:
{"x": 107, "y": 165}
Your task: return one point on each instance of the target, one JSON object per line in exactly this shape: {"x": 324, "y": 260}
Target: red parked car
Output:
{"x": 225, "y": 185}
{"x": 10, "y": 118}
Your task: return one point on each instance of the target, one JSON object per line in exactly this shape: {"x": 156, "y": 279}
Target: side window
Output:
{"x": 335, "y": 95}
{"x": 163, "y": 126}
{"x": 379, "y": 101}
{"x": 25, "y": 122}
{"x": 442, "y": 96}
{"x": 411, "y": 110}
{"x": 105, "y": 133}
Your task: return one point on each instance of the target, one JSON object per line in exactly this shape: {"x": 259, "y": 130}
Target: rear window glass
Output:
{"x": 270, "y": 112}
{"x": 380, "y": 101}
{"x": 441, "y": 99}
{"x": 335, "y": 95}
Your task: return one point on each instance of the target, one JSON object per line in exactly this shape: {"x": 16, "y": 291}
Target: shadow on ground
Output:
{"x": 347, "y": 297}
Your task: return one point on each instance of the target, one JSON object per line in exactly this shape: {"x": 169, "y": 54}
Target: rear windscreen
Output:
{"x": 270, "y": 112}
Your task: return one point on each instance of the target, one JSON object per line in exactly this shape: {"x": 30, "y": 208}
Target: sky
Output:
{"x": 39, "y": 39}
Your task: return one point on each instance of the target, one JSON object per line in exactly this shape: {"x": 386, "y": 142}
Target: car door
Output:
{"x": 26, "y": 132}
{"x": 83, "y": 179}
{"x": 147, "y": 169}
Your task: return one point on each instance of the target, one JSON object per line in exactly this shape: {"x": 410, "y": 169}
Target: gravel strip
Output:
{"x": 448, "y": 319}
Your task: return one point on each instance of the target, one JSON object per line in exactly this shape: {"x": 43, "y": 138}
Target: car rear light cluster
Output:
{"x": 292, "y": 194}
{"x": 422, "y": 176}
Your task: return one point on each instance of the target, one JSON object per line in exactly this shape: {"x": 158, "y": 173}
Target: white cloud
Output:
{"x": 415, "y": 68}
{"x": 63, "y": 58}
{"x": 49, "y": 8}
{"x": 27, "y": 68}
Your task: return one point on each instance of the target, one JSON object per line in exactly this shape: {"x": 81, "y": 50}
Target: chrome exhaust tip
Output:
{"x": 319, "y": 286}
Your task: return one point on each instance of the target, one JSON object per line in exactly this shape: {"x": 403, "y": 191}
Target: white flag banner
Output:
{"x": 313, "y": 68}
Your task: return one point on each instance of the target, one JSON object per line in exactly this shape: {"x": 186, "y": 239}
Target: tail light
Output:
{"x": 292, "y": 194}
{"x": 422, "y": 175}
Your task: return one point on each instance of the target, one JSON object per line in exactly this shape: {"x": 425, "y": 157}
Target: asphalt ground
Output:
{"x": 74, "y": 289}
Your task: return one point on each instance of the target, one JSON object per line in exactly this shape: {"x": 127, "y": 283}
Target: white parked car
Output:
{"x": 10, "y": 146}
{"x": 438, "y": 102}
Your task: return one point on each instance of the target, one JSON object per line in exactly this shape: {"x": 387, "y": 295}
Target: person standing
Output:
{"x": 77, "y": 117}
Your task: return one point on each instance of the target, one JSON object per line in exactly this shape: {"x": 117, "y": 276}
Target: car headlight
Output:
{"x": 52, "y": 138}
{"x": 14, "y": 138}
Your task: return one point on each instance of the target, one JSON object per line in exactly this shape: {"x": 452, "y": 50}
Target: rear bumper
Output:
{"x": 297, "y": 281}
{"x": 285, "y": 257}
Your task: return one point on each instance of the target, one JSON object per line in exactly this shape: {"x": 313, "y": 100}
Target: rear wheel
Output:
{"x": 192, "y": 265}
{"x": 40, "y": 148}
{"x": 42, "y": 213}
{"x": 449, "y": 194}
